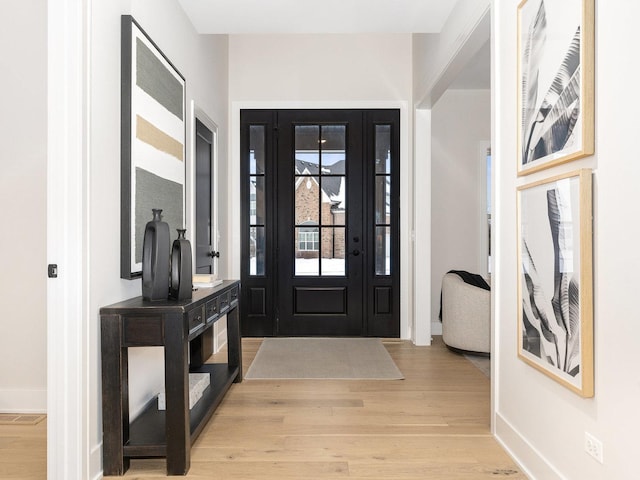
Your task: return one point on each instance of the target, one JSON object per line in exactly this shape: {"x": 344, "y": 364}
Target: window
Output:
{"x": 383, "y": 200}
{"x": 257, "y": 238}
{"x": 308, "y": 239}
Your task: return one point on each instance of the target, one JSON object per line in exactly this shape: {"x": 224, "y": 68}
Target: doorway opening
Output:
{"x": 320, "y": 222}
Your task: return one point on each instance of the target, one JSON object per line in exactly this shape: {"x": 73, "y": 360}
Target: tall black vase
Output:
{"x": 181, "y": 269}
{"x": 155, "y": 259}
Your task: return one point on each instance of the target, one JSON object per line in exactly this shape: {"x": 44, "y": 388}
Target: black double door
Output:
{"x": 320, "y": 222}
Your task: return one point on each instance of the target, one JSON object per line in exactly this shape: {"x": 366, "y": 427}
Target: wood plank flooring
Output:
{"x": 23, "y": 451}
{"x": 432, "y": 425}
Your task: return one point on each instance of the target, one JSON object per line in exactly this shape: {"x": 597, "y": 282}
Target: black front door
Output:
{"x": 320, "y": 222}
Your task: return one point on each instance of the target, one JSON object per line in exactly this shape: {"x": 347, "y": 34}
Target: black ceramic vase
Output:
{"x": 181, "y": 270}
{"x": 155, "y": 259}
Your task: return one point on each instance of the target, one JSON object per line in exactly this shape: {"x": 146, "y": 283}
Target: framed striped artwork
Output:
{"x": 152, "y": 142}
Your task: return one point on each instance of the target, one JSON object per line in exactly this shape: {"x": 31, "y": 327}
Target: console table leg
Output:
{"x": 115, "y": 396}
{"x": 176, "y": 365}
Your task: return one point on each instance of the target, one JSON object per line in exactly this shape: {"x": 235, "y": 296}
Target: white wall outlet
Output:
{"x": 593, "y": 447}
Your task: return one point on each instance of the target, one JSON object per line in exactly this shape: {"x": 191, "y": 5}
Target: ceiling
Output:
{"x": 317, "y": 16}
{"x": 334, "y": 16}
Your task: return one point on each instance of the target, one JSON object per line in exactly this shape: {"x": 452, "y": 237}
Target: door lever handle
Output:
{"x": 213, "y": 254}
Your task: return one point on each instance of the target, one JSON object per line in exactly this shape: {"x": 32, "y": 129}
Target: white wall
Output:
{"x": 23, "y": 190}
{"x": 540, "y": 421}
{"x": 461, "y": 120}
{"x": 324, "y": 71}
{"x": 329, "y": 68}
{"x": 202, "y": 60}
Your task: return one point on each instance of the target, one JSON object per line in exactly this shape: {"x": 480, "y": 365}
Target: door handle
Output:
{"x": 355, "y": 253}
{"x": 213, "y": 254}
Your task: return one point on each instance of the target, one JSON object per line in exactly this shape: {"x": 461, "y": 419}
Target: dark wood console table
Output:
{"x": 185, "y": 331}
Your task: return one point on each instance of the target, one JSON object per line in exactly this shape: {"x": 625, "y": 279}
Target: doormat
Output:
{"x": 323, "y": 358}
{"x": 20, "y": 419}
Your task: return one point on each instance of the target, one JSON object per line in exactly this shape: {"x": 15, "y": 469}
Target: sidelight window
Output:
{"x": 257, "y": 239}
{"x": 382, "y": 225}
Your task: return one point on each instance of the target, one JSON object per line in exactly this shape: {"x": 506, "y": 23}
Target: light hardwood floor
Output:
{"x": 432, "y": 425}
{"x": 23, "y": 451}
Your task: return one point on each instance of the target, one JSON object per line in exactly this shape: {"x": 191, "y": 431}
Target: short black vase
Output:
{"x": 155, "y": 259}
{"x": 181, "y": 269}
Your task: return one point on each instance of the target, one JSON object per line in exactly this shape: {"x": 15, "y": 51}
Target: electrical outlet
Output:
{"x": 593, "y": 447}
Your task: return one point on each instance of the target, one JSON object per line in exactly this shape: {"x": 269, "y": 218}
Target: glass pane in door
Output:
{"x": 383, "y": 148}
{"x": 257, "y": 249}
{"x": 307, "y": 251}
{"x": 383, "y": 199}
{"x": 307, "y": 200}
{"x": 383, "y": 251}
{"x": 256, "y": 149}
{"x": 332, "y": 146}
{"x": 333, "y": 252}
{"x": 256, "y": 200}
{"x": 307, "y": 149}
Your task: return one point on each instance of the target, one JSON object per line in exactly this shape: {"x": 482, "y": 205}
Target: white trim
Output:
{"x": 528, "y": 458}
{"x": 483, "y": 245}
{"x": 67, "y": 207}
{"x": 95, "y": 462}
{"x": 23, "y": 401}
{"x": 406, "y": 188}
{"x": 422, "y": 225}
{"x": 220, "y": 330}
{"x": 496, "y": 224}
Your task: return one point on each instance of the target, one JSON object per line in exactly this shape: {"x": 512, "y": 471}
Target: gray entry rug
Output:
{"x": 323, "y": 358}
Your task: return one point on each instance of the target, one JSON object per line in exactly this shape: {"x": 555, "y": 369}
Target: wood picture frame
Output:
{"x": 555, "y": 82}
{"x": 153, "y": 97}
{"x": 555, "y": 278}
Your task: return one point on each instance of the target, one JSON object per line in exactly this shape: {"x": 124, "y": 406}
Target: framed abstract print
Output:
{"x": 152, "y": 142}
{"x": 555, "y": 280}
{"x": 555, "y": 82}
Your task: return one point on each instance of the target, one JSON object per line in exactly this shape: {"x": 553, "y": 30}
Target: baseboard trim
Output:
{"x": 95, "y": 463}
{"x": 436, "y": 328}
{"x": 23, "y": 401}
{"x": 220, "y": 334}
{"x": 528, "y": 458}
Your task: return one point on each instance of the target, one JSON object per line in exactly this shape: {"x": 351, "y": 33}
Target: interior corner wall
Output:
{"x": 23, "y": 190}
{"x": 539, "y": 421}
{"x": 203, "y": 61}
{"x": 435, "y": 55}
{"x": 460, "y": 122}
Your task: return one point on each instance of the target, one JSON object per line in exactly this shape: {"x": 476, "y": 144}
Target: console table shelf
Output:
{"x": 147, "y": 432}
{"x": 184, "y": 329}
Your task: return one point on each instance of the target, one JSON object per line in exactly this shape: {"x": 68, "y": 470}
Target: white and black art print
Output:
{"x": 555, "y": 82}
{"x": 555, "y": 331}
